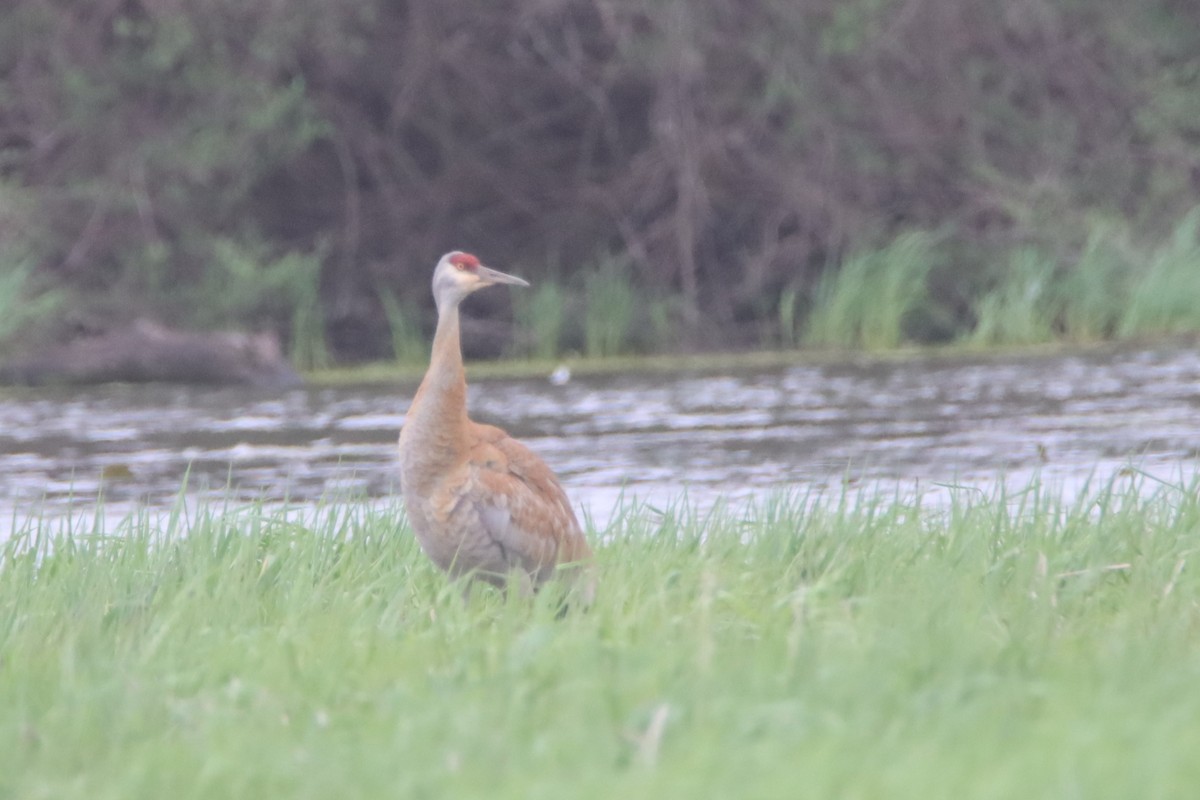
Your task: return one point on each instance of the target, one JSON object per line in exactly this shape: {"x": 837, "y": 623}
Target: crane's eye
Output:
{"x": 464, "y": 262}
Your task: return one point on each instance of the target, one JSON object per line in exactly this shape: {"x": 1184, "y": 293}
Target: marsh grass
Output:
{"x": 247, "y": 279}
{"x": 22, "y": 302}
{"x": 1023, "y": 308}
{"x": 404, "y": 329}
{"x": 858, "y": 646}
{"x": 542, "y": 312}
{"x": 867, "y": 302}
{"x": 1095, "y": 289}
{"x": 786, "y": 317}
{"x": 611, "y": 307}
{"x": 1104, "y": 287}
{"x": 1166, "y": 298}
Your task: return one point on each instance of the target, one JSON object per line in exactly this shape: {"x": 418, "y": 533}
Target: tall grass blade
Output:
{"x": 867, "y": 301}
{"x": 1166, "y": 297}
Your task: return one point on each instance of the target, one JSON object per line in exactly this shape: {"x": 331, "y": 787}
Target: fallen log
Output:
{"x": 148, "y": 352}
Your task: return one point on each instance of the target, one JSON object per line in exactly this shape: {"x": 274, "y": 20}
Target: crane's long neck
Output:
{"x": 436, "y": 424}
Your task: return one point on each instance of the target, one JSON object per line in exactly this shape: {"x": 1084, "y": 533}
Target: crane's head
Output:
{"x": 458, "y": 274}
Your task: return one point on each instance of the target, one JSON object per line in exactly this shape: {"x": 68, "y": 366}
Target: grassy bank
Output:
{"x": 1107, "y": 291}
{"x": 385, "y": 372}
{"x": 1001, "y": 647}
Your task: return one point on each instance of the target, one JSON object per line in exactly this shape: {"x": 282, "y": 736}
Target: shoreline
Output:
{"x": 383, "y": 372}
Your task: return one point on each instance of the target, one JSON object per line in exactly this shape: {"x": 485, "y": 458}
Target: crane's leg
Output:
{"x": 521, "y": 582}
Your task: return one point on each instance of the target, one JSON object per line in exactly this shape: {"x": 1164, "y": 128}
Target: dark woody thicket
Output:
{"x": 227, "y": 162}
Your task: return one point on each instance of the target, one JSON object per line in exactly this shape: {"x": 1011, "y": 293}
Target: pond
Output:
{"x": 921, "y": 424}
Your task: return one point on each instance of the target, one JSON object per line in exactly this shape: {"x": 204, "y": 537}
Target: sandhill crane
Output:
{"x": 480, "y": 502}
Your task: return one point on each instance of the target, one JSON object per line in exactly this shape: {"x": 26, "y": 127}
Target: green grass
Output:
{"x": 376, "y": 373}
{"x": 247, "y": 279}
{"x": 404, "y": 326}
{"x": 1166, "y": 299}
{"x": 1111, "y": 289}
{"x": 22, "y": 303}
{"x": 1000, "y": 647}
{"x": 867, "y": 302}
{"x": 1021, "y": 309}
{"x": 1094, "y": 290}
{"x": 611, "y": 307}
{"x": 541, "y": 313}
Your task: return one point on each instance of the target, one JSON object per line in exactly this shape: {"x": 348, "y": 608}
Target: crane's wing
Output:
{"x": 521, "y": 504}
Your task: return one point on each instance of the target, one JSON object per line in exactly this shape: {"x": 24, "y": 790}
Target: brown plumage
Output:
{"x": 480, "y": 502}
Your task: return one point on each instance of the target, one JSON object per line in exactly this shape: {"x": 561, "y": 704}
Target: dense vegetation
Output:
{"x": 671, "y": 174}
{"x": 1017, "y": 646}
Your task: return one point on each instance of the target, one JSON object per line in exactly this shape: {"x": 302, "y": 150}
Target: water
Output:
{"x": 920, "y": 425}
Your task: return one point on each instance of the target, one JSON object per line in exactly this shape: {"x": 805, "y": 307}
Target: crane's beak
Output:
{"x": 489, "y": 276}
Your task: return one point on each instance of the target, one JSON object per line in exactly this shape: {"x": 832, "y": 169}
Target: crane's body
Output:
{"x": 479, "y": 502}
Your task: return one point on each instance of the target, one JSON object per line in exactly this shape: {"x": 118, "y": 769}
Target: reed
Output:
{"x": 541, "y": 314}
{"x": 1164, "y": 298}
{"x": 1022, "y": 309}
{"x": 404, "y": 326}
{"x": 1094, "y": 292}
{"x": 611, "y": 307}
{"x": 23, "y": 302}
{"x": 867, "y": 302}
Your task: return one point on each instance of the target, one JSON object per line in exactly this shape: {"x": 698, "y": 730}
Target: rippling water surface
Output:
{"x": 919, "y": 424}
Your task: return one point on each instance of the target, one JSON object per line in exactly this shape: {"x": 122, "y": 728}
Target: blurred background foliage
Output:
{"x": 685, "y": 173}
